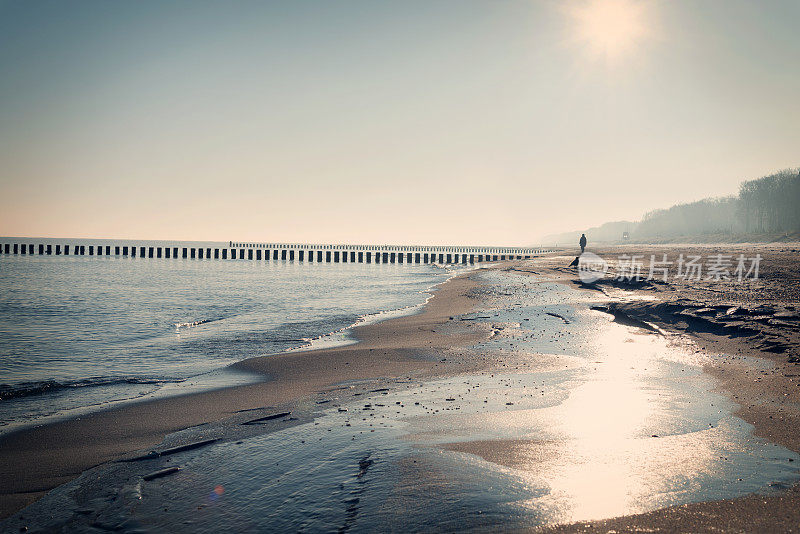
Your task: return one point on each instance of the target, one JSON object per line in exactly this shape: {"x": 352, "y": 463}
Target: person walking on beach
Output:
{"x": 582, "y": 242}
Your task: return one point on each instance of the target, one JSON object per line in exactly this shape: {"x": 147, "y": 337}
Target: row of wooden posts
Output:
{"x": 290, "y": 254}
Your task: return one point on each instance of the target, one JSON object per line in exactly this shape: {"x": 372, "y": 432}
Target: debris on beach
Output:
{"x": 172, "y": 450}
{"x": 161, "y": 473}
{"x": 267, "y": 418}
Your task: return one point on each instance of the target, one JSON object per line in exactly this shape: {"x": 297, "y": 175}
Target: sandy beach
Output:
{"x": 746, "y": 359}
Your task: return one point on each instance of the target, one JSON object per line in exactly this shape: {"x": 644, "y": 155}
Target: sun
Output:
{"x": 610, "y": 27}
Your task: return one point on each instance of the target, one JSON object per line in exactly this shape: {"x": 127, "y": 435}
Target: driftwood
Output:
{"x": 266, "y": 418}
{"x": 157, "y": 454}
{"x": 161, "y": 473}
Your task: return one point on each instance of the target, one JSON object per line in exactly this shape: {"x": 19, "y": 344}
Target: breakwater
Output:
{"x": 303, "y": 252}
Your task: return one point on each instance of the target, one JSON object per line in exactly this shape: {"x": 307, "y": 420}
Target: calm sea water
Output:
{"x": 78, "y": 333}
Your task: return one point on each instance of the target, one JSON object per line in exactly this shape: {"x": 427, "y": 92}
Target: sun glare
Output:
{"x": 610, "y": 27}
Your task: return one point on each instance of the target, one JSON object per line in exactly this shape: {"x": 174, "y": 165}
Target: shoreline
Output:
{"x": 221, "y": 377}
{"x": 410, "y": 347}
{"x": 35, "y": 460}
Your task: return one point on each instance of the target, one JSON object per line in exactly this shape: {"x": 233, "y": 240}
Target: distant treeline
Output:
{"x": 766, "y": 205}
{"x": 771, "y": 203}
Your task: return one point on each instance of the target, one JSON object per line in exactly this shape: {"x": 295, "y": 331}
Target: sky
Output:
{"x": 489, "y": 122}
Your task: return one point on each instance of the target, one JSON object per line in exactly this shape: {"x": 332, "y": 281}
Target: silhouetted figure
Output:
{"x": 583, "y": 242}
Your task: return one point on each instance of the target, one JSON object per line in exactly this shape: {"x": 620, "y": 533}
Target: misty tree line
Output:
{"x": 766, "y": 205}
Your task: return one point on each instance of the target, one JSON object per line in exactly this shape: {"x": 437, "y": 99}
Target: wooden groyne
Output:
{"x": 311, "y": 253}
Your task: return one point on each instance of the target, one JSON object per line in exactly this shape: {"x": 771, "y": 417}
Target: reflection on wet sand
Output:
{"x": 639, "y": 429}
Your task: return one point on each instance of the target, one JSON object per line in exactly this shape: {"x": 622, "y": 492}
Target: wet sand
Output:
{"x": 764, "y": 384}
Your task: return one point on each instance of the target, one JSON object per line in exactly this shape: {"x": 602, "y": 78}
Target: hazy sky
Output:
{"x": 482, "y": 122}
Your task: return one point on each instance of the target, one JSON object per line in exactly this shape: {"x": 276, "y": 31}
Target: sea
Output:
{"x": 83, "y": 333}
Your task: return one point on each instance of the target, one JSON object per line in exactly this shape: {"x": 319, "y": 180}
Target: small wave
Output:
{"x": 28, "y": 389}
{"x": 193, "y": 323}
